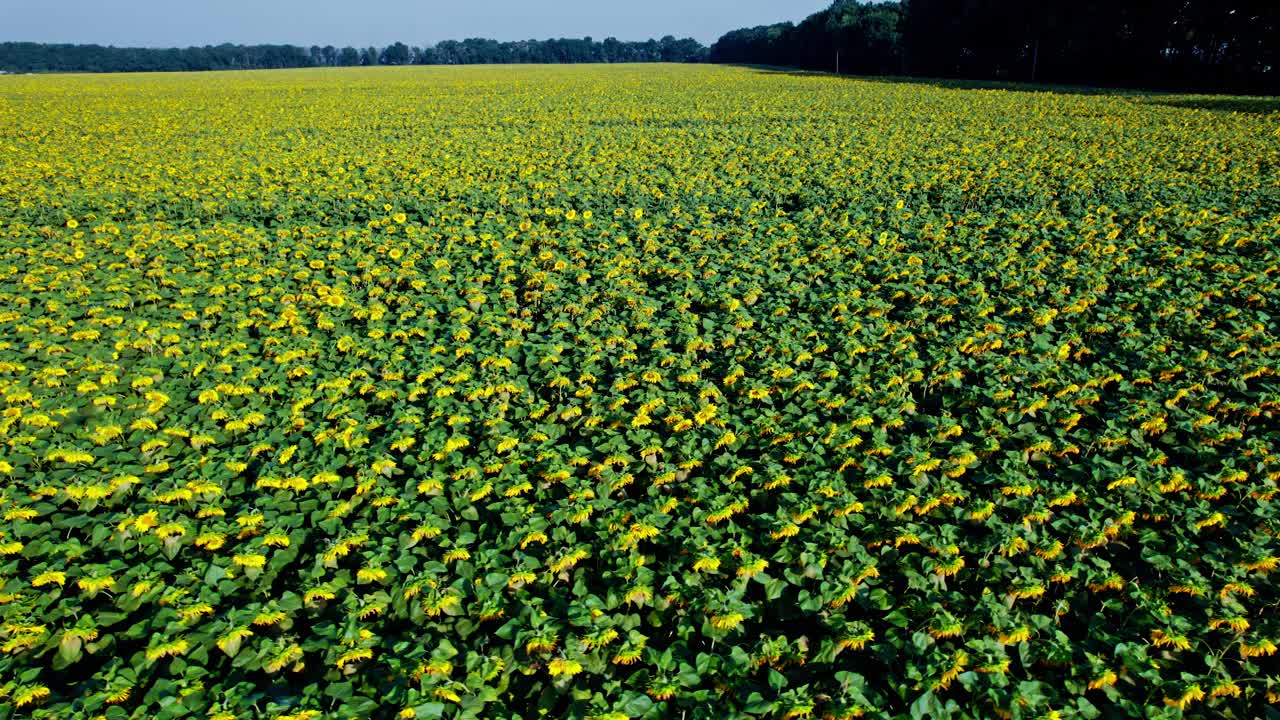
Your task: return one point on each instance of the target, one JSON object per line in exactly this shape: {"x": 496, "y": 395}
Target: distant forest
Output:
{"x": 1210, "y": 45}
{"x": 40, "y": 57}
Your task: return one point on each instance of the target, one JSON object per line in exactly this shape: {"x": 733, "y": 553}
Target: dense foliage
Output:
{"x": 1213, "y": 45}
{"x": 585, "y": 392}
{"x": 850, "y": 37}
{"x": 39, "y": 57}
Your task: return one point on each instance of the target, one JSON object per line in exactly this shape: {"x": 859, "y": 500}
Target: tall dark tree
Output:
{"x": 396, "y": 54}
{"x": 348, "y": 56}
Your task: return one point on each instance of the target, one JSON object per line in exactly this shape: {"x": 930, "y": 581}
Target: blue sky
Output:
{"x": 166, "y": 23}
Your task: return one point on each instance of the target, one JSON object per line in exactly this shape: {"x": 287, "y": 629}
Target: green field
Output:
{"x": 635, "y": 392}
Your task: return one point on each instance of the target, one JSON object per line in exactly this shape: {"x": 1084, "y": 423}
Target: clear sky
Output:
{"x": 169, "y": 23}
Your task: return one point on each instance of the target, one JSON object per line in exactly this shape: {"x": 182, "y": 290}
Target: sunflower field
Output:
{"x": 635, "y": 392}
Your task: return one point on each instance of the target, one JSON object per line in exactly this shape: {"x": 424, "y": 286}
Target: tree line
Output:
{"x": 1213, "y": 45}
{"x": 42, "y": 57}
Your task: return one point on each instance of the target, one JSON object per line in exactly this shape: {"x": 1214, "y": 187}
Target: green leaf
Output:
{"x": 636, "y": 705}
{"x": 756, "y": 704}
{"x": 340, "y": 691}
{"x": 777, "y": 680}
{"x": 429, "y": 710}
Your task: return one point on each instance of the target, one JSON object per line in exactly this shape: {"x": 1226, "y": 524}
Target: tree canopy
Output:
{"x": 1218, "y": 45}
{"x": 1175, "y": 44}
{"x": 40, "y": 57}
